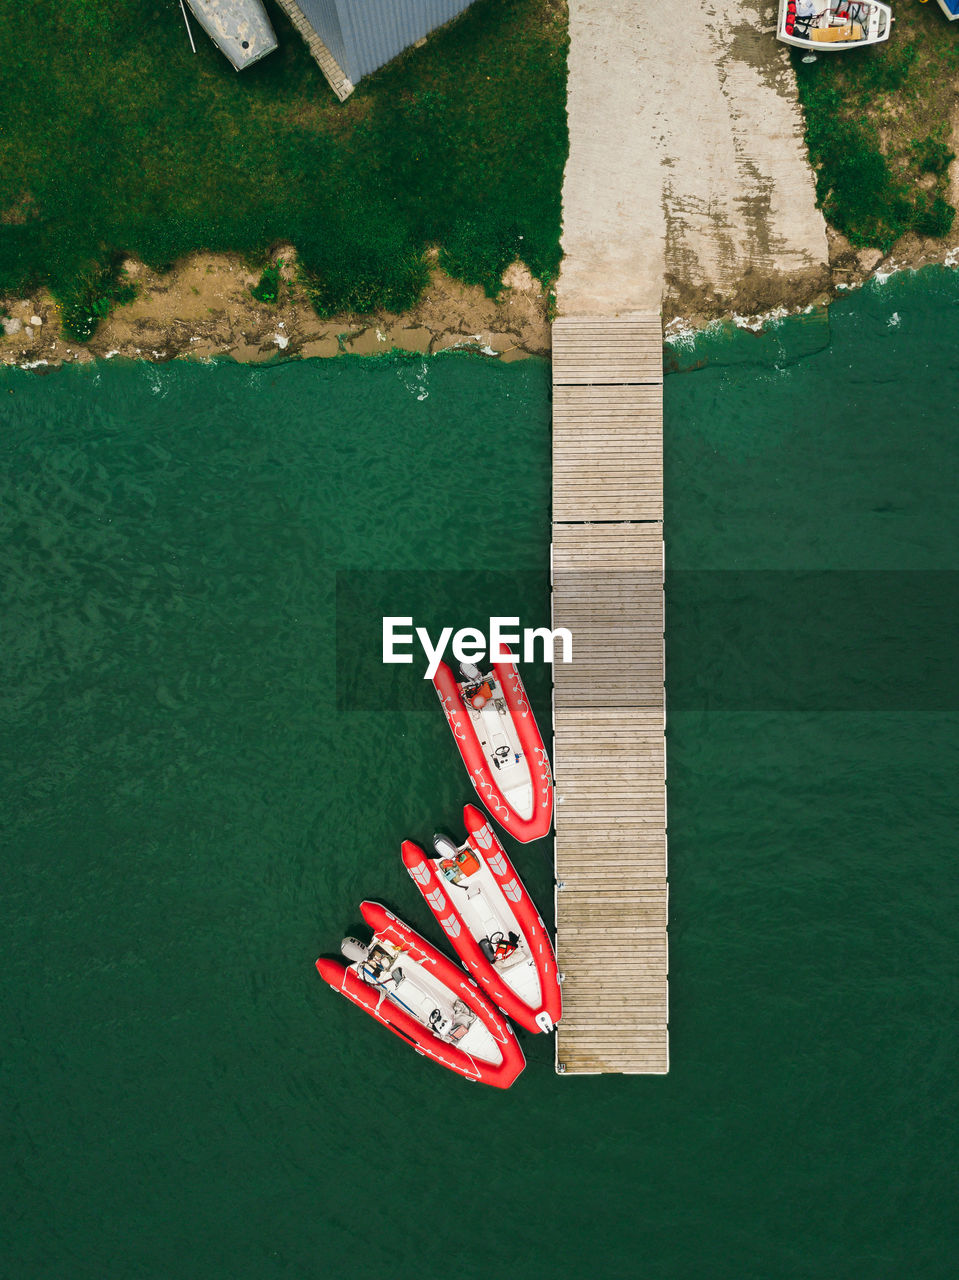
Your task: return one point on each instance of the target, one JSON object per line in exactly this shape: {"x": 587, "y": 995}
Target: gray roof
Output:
{"x": 364, "y": 34}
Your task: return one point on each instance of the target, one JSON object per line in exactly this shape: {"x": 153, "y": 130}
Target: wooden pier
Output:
{"x": 609, "y": 750}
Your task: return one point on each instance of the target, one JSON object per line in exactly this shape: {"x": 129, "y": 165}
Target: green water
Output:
{"x": 202, "y": 775}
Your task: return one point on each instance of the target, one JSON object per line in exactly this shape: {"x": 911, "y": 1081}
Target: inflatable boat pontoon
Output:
{"x": 424, "y": 998}
{"x": 501, "y": 745}
{"x": 484, "y": 909}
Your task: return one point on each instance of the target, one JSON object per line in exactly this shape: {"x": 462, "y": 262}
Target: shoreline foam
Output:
{"x": 451, "y": 316}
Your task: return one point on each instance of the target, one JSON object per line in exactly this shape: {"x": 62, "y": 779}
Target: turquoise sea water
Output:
{"x": 203, "y": 774}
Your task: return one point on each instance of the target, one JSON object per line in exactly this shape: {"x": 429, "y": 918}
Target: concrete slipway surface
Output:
{"x": 687, "y": 180}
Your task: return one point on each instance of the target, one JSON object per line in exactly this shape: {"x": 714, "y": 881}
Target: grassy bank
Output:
{"x": 115, "y": 139}
{"x": 878, "y": 129}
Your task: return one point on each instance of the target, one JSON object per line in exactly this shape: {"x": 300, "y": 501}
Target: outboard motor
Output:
{"x": 354, "y": 950}
{"x": 444, "y": 846}
{"x": 470, "y": 671}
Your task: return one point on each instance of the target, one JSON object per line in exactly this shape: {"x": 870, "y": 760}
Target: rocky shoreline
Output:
{"x": 761, "y": 298}
{"x": 203, "y": 307}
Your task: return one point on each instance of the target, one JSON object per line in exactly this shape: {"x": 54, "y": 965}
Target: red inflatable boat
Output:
{"x": 484, "y": 909}
{"x": 501, "y": 745}
{"x": 427, "y": 1000}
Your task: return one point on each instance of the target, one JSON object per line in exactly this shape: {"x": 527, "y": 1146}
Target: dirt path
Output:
{"x": 687, "y": 183}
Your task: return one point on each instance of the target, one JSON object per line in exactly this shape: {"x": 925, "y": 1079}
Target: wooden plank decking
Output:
{"x": 608, "y": 703}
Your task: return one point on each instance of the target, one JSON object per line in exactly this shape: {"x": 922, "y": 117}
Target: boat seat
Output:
{"x": 830, "y": 35}
{"x": 519, "y": 956}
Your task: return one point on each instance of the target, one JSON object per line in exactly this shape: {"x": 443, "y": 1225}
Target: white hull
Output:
{"x": 411, "y": 985}
{"x": 501, "y": 745}
{"x": 830, "y": 26}
{"x": 240, "y": 29}
{"x": 484, "y": 910}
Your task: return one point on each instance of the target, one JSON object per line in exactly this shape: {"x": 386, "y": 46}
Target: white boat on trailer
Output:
{"x": 240, "y": 29}
{"x": 829, "y": 26}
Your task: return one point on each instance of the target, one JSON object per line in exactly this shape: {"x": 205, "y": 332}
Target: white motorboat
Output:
{"x": 829, "y": 26}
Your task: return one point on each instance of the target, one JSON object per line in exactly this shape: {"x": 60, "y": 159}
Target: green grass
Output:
{"x": 115, "y": 139}
{"x": 876, "y": 120}
{"x": 267, "y": 288}
{"x": 90, "y": 297}
{"x": 932, "y": 154}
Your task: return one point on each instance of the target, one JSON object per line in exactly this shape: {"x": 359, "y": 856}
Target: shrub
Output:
{"x": 360, "y": 266}
{"x": 480, "y": 251}
{"x": 933, "y": 217}
{"x": 90, "y": 298}
{"x": 857, "y": 190}
{"x": 932, "y": 155}
{"x": 268, "y": 287}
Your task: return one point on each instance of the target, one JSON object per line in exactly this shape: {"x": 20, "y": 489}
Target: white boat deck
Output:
{"x": 501, "y": 745}
{"x": 420, "y": 992}
{"x": 485, "y": 911}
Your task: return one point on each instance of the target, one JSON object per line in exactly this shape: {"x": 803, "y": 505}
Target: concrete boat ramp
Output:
{"x": 687, "y": 171}
{"x": 687, "y": 181}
